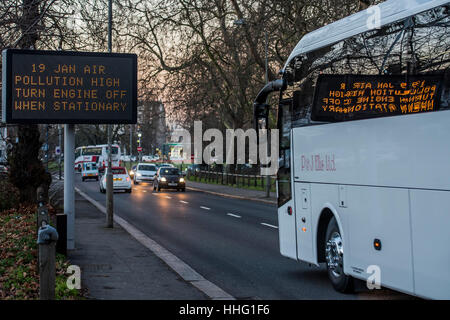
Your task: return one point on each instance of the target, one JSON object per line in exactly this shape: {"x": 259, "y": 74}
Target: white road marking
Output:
{"x": 167, "y": 197}
{"x": 205, "y": 208}
{"x": 185, "y": 202}
{"x": 144, "y": 190}
{"x": 177, "y": 265}
{"x": 233, "y": 215}
{"x": 269, "y": 225}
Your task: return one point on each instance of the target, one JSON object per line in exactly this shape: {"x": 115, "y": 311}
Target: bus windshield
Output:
{"x": 115, "y": 150}
{"x": 409, "y": 50}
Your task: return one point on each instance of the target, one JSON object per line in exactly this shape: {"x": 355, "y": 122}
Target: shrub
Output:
{"x": 9, "y": 196}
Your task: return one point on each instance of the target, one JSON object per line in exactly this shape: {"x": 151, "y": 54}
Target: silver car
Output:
{"x": 144, "y": 172}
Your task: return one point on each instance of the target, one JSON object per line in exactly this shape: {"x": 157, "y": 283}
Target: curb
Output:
{"x": 180, "y": 267}
{"x": 226, "y": 195}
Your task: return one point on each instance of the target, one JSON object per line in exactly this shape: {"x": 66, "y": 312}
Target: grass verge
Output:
{"x": 19, "y": 277}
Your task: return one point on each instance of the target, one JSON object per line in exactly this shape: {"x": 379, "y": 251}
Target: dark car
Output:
{"x": 169, "y": 178}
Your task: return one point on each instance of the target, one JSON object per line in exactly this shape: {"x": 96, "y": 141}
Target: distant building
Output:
{"x": 151, "y": 119}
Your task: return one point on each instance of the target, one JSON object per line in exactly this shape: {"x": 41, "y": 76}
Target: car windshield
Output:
{"x": 147, "y": 168}
{"x": 118, "y": 171}
{"x": 169, "y": 171}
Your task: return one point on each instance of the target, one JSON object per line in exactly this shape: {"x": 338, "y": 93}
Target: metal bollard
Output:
{"x": 47, "y": 237}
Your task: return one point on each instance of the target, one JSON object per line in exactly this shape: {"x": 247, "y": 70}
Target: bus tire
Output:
{"x": 334, "y": 256}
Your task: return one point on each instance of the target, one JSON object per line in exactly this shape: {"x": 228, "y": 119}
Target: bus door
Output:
{"x": 286, "y": 212}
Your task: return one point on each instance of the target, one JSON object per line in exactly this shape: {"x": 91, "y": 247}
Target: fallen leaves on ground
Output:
{"x": 19, "y": 278}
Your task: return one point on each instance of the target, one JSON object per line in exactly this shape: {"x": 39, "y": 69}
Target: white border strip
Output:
{"x": 184, "y": 270}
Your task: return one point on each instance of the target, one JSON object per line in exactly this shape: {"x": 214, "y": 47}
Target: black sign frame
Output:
{"x": 345, "y": 78}
{"x": 7, "y": 98}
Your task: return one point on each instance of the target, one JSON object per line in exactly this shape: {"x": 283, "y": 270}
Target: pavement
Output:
{"x": 190, "y": 245}
{"x": 116, "y": 266}
{"x": 232, "y": 192}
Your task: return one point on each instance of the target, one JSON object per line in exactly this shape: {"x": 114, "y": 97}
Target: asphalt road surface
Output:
{"x": 232, "y": 243}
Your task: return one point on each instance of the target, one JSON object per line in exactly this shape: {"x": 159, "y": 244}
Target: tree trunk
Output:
{"x": 26, "y": 169}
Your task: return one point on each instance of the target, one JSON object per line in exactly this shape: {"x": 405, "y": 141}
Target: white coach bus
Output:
{"x": 99, "y": 154}
{"x": 364, "y": 119}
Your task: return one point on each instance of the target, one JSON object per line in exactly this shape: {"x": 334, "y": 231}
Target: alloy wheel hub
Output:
{"x": 334, "y": 254}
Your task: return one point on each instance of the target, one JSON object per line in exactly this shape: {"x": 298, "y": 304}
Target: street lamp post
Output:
{"x": 131, "y": 143}
{"x": 109, "y": 174}
{"x": 140, "y": 152}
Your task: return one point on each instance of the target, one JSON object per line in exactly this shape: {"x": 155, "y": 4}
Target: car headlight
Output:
{"x": 181, "y": 179}
{"x": 138, "y": 174}
{"x": 163, "y": 179}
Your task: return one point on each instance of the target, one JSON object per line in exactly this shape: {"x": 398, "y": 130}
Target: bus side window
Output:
{"x": 445, "y": 96}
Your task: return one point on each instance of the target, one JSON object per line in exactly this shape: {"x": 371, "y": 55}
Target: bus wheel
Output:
{"x": 334, "y": 255}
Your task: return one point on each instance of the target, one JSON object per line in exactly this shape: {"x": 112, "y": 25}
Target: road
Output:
{"x": 232, "y": 243}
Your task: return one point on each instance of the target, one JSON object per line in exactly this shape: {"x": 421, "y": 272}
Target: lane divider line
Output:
{"x": 167, "y": 197}
{"x": 269, "y": 225}
{"x": 233, "y": 215}
{"x": 205, "y": 208}
{"x": 176, "y": 264}
{"x": 185, "y": 202}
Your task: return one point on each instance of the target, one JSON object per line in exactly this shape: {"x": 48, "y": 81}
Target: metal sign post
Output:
{"x": 69, "y": 180}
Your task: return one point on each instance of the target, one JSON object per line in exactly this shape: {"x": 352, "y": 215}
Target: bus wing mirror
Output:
{"x": 260, "y": 113}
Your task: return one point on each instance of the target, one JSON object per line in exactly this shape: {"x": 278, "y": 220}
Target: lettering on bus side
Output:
{"x": 318, "y": 162}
